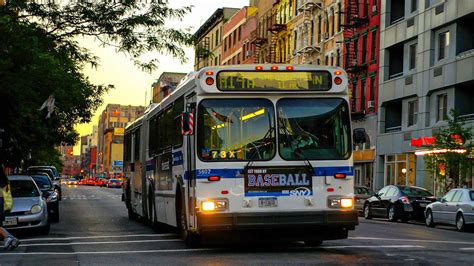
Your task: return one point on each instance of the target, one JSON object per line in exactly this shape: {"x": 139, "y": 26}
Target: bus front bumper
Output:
{"x": 314, "y": 220}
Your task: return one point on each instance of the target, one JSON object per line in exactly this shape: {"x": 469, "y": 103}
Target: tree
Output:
{"x": 451, "y": 164}
{"x": 41, "y": 57}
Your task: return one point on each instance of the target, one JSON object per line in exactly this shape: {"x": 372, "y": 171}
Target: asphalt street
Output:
{"x": 94, "y": 230}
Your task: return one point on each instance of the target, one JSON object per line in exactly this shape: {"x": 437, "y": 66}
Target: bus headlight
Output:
{"x": 214, "y": 205}
{"x": 339, "y": 202}
{"x": 347, "y": 203}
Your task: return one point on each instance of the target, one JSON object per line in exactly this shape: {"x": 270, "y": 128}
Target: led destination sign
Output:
{"x": 273, "y": 80}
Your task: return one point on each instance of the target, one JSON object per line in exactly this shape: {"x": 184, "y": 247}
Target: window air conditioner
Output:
{"x": 371, "y": 104}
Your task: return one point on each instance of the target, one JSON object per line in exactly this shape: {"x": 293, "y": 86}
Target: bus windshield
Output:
{"x": 236, "y": 130}
{"x": 314, "y": 129}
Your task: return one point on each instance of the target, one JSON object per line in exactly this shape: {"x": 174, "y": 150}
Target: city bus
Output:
{"x": 257, "y": 150}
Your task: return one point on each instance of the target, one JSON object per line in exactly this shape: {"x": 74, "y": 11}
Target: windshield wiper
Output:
{"x": 298, "y": 151}
{"x": 266, "y": 136}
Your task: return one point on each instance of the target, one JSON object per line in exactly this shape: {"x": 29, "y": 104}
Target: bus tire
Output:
{"x": 191, "y": 239}
{"x": 155, "y": 225}
{"x": 313, "y": 243}
{"x": 131, "y": 214}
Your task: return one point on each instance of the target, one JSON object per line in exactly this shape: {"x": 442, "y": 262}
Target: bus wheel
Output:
{"x": 155, "y": 225}
{"x": 313, "y": 243}
{"x": 131, "y": 214}
{"x": 191, "y": 239}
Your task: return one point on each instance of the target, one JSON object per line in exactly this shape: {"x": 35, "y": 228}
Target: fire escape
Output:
{"x": 202, "y": 51}
{"x": 352, "y": 63}
{"x": 308, "y": 47}
{"x": 275, "y": 25}
{"x": 258, "y": 39}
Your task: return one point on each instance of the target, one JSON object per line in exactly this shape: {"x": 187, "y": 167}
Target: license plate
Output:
{"x": 422, "y": 204}
{"x": 10, "y": 221}
{"x": 267, "y": 202}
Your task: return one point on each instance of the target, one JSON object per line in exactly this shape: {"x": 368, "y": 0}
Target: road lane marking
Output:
{"x": 412, "y": 240}
{"x": 374, "y": 246}
{"x": 125, "y": 252}
{"x": 93, "y": 237}
{"x": 101, "y": 243}
{"x": 466, "y": 248}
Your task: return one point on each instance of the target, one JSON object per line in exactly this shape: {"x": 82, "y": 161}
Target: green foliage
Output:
{"x": 33, "y": 67}
{"x": 131, "y": 26}
{"x": 40, "y": 56}
{"x": 456, "y": 165}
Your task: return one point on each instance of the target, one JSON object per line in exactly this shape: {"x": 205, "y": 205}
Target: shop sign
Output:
{"x": 422, "y": 141}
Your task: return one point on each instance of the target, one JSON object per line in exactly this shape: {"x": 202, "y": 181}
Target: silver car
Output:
{"x": 455, "y": 208}
{"x": 29, "y": 207}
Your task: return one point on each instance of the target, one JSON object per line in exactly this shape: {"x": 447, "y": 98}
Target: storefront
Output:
{"x": 400, "y": 169}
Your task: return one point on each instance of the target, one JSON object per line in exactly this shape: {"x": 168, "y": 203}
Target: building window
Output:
{"x": 400, "y": 169}
{"x": 413, "y": 6}
{"x": 239, "y": 32}
{"x": 235, "y": 38}
{"x": 364, "y": 49}
{"x": 333, "y": 22}
{"x": 412, "y": 55}
{"x": 225, "y": 45}
{"x": 412, "y": 112}
{"x": 326, "y": 59}
{"x": 397, "y": 13}
{"x": 338, "y": 55}
{"x": 374, "y": 6}
{"x": 348, "y": 47}
{"x": 366, "y": 8}
{"x": 311, "y": 33}
{"x": 443, "y": 45}
{"x": 442, "y": 113}
{"x": 295, "y": 42}
{"x": 372, "y": 88}
{"x": 362, "y": 94}
{"x": 217, "y": 37}
{"x": 339, "y": 15}
{"x": 319, "y": 28}
{"x": 374, "y": 46}
{"x": 354, "y": 94}
{"x": 356, "y": 51}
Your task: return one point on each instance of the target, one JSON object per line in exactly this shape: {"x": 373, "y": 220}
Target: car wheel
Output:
{"x": 460, "y": 223}
{"x": 367, "y": 211}
{"x": 45, "y": 230}
{"x": 392, "y": 214}
{"x": 429, "y": 218}
{"x": 55, "y": 216}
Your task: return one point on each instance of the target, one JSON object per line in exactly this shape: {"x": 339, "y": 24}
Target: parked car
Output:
{"x": 100, "y": 182}
{"x": 54, "y": 175}
{"x": 30, "y": 209}
{"x": 72, "y": 181}
{"x": 114, "y": 183}
{"x": 455, "y": 208}
{"x": 360, "y": 195}
{"x": 46, "y": 187}
{"x": 398, "y": 203}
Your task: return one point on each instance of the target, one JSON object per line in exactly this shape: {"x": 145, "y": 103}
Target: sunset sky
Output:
{"x": 133, "y": 85}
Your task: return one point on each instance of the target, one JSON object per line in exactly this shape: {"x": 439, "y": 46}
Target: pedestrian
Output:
{"x": 9, "y": 242}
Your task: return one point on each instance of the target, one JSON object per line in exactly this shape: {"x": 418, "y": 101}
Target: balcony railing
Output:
{"x": 393, "y": 129}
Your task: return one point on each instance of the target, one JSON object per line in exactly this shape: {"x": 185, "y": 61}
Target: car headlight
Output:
{"x": 53, "y": 197}
{"x": 214, "y": 205}
{"x": 36, "y": 209}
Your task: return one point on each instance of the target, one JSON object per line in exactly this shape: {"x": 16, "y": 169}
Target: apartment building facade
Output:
{"x": 426, "y": 69}
{"x": 166, "y": 83}
{"x": 361, "y": 28}
{"x": 112, "y": 122}
{"x": 208, "y": 38}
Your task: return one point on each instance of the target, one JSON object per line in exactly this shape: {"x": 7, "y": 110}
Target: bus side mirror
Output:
{"x": 187, "y": 123}
{"x": 359, "y": 135}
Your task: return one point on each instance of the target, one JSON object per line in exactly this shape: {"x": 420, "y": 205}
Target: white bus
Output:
{"x": 261, "y": 150}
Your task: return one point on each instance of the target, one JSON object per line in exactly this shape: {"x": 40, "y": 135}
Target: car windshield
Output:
{"x": 236, "y": 130}
{"x": 24, "y": 188}
{"x": 472, "y": 194}
{"x": 42, "y": 181}
{"x": 415, "y": 192}
{"x": 72, "y": 179}
{"x": 315, "y": 129}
